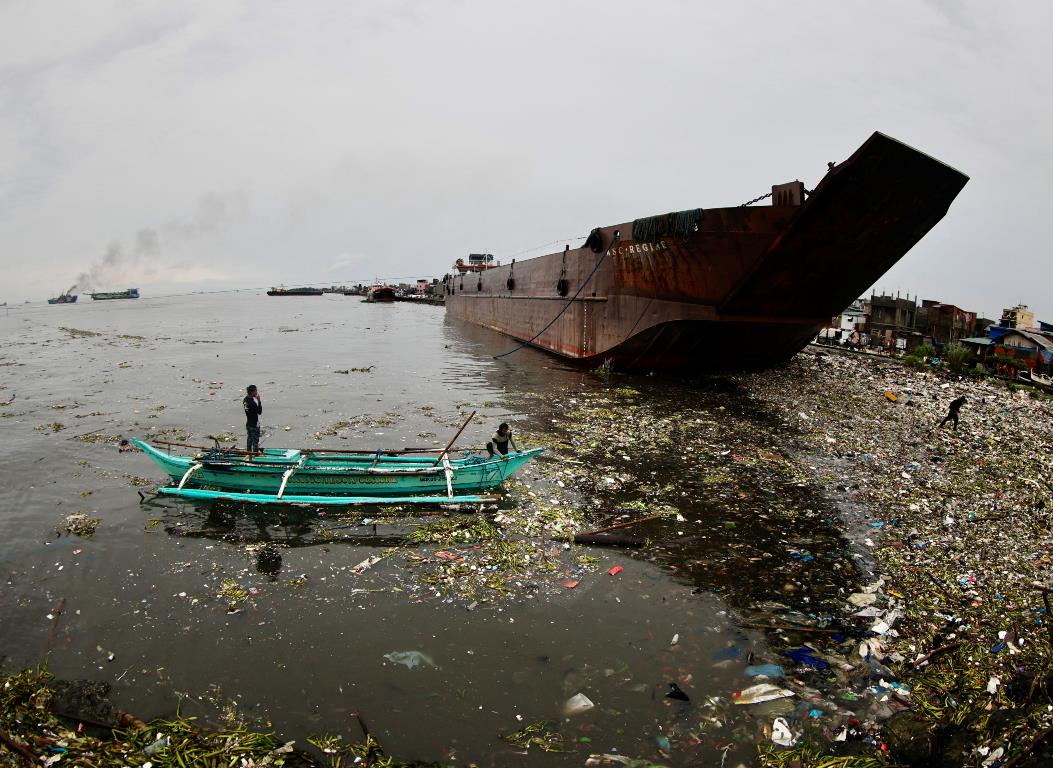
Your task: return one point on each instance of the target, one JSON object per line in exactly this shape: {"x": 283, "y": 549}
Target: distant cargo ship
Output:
{"x": 131, "y": 293}
{"x": 719, "y": 289}
{"x": 64, "y": 298}
{"x": 294, "y": 292}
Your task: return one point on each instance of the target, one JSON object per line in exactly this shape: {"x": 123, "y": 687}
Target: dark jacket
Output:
{"x": 500, "y": 442}
{"x": 253, "y": 409}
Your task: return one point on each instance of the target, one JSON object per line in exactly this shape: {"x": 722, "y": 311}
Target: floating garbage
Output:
{"x": 162, "y": 742}
{"x": 543, "y": 734}
{"x": 805, "y": 655}
{"x": 366, "y": 564}
{"x": 781, "y": 733}
{"x": 410, "y": 659}
{"x": 676, "y": 693}
{"x": 577, "y": 704}
{"x": 80, "y": 524}
{"x": 862, "y": 599}
{"x": 761, "y": 692}
{"x": 771, "y": 671}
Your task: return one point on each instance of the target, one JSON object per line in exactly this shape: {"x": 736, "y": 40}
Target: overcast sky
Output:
{"x": 179, "y": 146}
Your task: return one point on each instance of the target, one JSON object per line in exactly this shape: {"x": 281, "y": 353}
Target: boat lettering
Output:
{"x": 639, "y": 248}
{"x": 345, "y": 480}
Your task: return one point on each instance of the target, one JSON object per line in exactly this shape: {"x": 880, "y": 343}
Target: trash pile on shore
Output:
{"x": 959, "y": 523}
{"x": 927, "y": 637}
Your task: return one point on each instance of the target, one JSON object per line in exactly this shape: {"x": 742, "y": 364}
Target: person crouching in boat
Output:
{"x": 500, "y": 441}
{"x": 253, "y": 408}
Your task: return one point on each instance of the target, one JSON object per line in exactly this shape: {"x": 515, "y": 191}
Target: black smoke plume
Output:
{"x": 121, "y": 262}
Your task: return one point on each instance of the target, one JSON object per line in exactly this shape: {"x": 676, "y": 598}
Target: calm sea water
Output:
{"x": 135, "y": 605}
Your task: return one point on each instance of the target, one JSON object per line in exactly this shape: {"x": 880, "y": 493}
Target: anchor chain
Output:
{"x": 755, "y": 200}
{"x": 807, "y": 193}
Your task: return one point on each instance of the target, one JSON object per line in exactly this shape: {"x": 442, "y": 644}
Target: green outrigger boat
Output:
{"x": 278, "y": 476}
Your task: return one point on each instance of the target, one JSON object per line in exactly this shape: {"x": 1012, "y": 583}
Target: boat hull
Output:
{"x": 198, "y": 494}
{"x": 747, "y": 287}
{"x": 340, "y": 474}
{"x": 131, "y": 293}
{"x": 381, "y": 295}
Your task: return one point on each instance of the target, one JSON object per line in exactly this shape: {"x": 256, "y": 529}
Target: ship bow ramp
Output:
{"x": 861, "y": 219}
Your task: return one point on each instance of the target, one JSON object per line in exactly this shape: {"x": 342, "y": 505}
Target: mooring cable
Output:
{"x": 615, "y": 239}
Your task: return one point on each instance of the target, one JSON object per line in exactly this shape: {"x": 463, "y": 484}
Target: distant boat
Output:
{"x": 294, "y": 291}
{"x": 381, "y": 294}
{"x": 131, "y": 293}
{"x": 477, "y": 262}
{"x": 64, "y": 298}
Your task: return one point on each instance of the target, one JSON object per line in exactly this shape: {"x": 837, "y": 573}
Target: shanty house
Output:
{"x": 1031, "y": 347}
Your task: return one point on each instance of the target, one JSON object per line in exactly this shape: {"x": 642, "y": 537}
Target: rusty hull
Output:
{"x": 747, "y": 290}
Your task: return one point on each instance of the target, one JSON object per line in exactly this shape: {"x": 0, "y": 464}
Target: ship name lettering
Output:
{"x": 640, "y": 248}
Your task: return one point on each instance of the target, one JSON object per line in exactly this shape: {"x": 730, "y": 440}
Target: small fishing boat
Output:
{"x": 64, "y": 298}
{"x": 334, "y": 477}
{"x": 381, "y": 294}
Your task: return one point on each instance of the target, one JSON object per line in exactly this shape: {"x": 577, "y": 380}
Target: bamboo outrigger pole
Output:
{"x": 369, "y": 451}
{"x": 454, "y": 440}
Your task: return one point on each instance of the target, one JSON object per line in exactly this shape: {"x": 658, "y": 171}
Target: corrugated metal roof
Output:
{"x": 1041, "y": 341}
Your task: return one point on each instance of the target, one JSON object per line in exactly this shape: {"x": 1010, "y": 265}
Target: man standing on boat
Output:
{"x": 253, "y": 408}
{"x": 500, "y": 441}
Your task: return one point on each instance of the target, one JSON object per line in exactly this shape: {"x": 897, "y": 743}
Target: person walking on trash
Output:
{"x": 500, "y": 441}
{"x": 952, "y": 413}
{"x": 253, "y": 408}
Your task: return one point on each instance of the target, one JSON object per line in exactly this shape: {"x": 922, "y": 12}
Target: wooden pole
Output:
{"x": 14, "y": 746}
{"x": 454, "y": 440}
{"x": 93, "y": 432}
{"x": 621, "y": 525}
{"x": 788, "y": 627}
{"x": 935, "y": 652}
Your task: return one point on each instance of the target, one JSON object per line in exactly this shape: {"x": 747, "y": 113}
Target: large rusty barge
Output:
{"x": 717, "y": 289}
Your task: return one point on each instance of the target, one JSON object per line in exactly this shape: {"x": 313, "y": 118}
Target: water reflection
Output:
{"x": 276, "y": 524}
